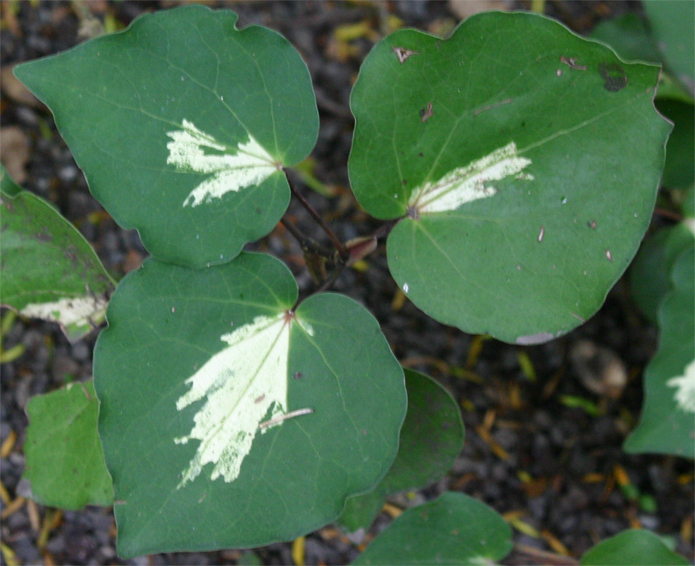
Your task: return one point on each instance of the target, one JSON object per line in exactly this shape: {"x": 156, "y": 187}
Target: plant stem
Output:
{"x": 668, "y": 214}
{"x": 307, "y": 244}
{"x": 332, "y": 278}
{"x": 544, "y": 557}
{"x": 385, "y": 229}
{"x": 316, "y": 216}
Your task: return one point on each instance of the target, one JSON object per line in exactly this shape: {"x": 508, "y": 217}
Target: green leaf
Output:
{"x": 667, "y": 423}
{"x": 632, "y": 548}
{"x": 49, "y": 270}
{"x": 688, "y": 207}
{"x": 672, "y": 23}
{"x": 197, "y": 371}
{"x": 650, "y": 272}
{"x": 679, "y": 170}
{"x": 526, "y": 161}
{"x": 629, "y": 36}
{"x": 7, "y": 185}
{"x": 65, "y": 462}
{"x": 182, "y": 124}
{"x": 431, "y": 439}
{"x": 361, "y": 510}
{"x": 453, "y": 529}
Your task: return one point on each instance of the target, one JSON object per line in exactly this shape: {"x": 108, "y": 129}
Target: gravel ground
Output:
{"x": 526, "y": 453}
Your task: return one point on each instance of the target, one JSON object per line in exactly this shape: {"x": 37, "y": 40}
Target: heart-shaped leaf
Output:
{"x": 48, "y": 269}
{"x": 526, "y": 161}
{"x": 632, "y": 547}
{"x": 65, "y": 462}
{"x": 229, "y": 420}
{"x": 431, "y": 439}
{"x": 452, "y": 529}
{"x": 182, "y": 124}
{"x": 667, "y": 423}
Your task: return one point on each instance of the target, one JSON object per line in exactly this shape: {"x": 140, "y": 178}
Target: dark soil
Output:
{"x": 527, "y": 454}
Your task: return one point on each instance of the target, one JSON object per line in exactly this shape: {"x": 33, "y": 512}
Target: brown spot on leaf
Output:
{"x": 426, "y": 113}
{"x": 572, "y": 63}
{"x": 613, "y": 75}
{"x": 403, "y": 54}
{"x": 44, "y": 236}
{"x": 491, "y": 106}
{"x": 86, "y": 393}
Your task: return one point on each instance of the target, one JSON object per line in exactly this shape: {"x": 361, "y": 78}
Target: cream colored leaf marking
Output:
{"x": 685, "y": 388}
{"x": 469, "y": 183}
{"x": 690, "y": 224}
{"x": 240, "y": 385}
{"x": 79, "y": 310}
{"x": 246, "y": 165}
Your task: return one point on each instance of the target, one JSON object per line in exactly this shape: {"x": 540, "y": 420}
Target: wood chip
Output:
{"x": 8, "y": 444}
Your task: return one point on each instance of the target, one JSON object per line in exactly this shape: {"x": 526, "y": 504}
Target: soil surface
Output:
{"x": 553, "y": 470}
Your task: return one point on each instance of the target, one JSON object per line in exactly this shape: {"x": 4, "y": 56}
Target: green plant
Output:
{"x": 515, "y": 190}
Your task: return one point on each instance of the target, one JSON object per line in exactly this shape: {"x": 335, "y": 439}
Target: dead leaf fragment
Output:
{"x": 15, "y": 90}
{"x": 133, "y": 259}
{"x": 14, "y": 152}
{"x": 465, "y": 8}
{"x": 599, "y": 369}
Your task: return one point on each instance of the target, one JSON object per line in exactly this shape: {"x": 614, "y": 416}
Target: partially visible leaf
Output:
{"x": 650, "y": 272}
{"x": 525, "y": 170}
{"x": 7, "y": 185}
{"x": 452, "y": 529}
{"x": 430, "y": 441}
{"x": 229, "y": 420}
{"x": 679, "y": 170}
{"x": 632, "y": 548}
{"x": 688, "y": 207}
{"x": 182, "y": 124}
{"x": 49, "y": 270}
{"x": 667, "y": 423}
{"x": 629, "y": 36}
{"x": 672, "y": 23}
{"x": 65, "y": 462}
{"x": 360, "y": 510}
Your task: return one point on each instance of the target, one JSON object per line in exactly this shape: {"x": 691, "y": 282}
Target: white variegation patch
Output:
{"x": 470, "y": 183}
{"x": 79, "y": 311}
{"x": 690, "y": 224}
{"x": 233, "y": 169}
{"x": 244, "y": 386}
{"x": 685, "y": 388}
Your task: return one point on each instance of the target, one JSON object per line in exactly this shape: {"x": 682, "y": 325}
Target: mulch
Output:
{"x": 555, "y": 470}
